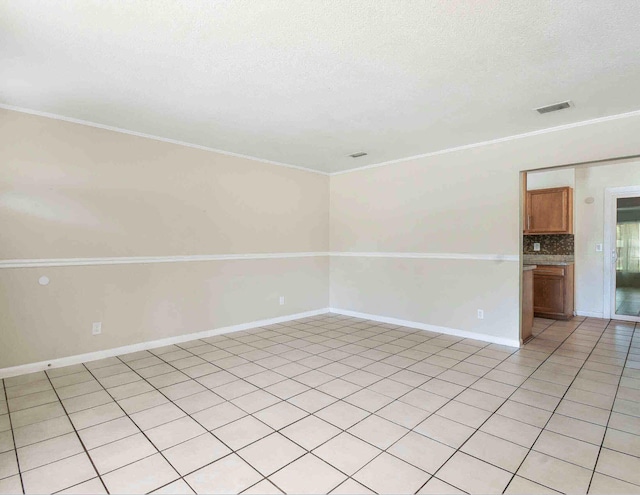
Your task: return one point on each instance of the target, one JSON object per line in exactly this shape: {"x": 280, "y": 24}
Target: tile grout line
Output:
{"x": 309, "y": 388}
{"x": 78, "y": 436}
{"x": 370, "y": 413}
{"x": 606, "y": 428}
{"x": 387, "y": 330}
{"x": 310, "y": 333}
{"x": 126, "y": 414}
{"x": 232, "y": 451}
{"x": 414, "y": 388}
{"x": 397, "y": 399}
{"x": 13, "y": 437}
{"x": 558, "y": 405}
{"x": 196, "y": 378}
{"x": 509, "y": 397}
{"x": 104, "y": 389}
{"x": 143, "y": 379}
{"x": 435, "y": 413}
{"x": 307, "y": 452}
{"x": 158, "y": 451}
{"x": 350, "y": 477}
{"x": 459, "y": 449}
{"x": 314, "y": 388}
{"x": 182, "y": 477}
{"x": 287, "y": 400}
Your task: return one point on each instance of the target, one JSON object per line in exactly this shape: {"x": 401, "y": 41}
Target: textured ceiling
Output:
{"x": 308, "y": 82}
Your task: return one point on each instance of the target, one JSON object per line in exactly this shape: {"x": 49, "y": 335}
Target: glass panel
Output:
{"x": 628, "y": 257}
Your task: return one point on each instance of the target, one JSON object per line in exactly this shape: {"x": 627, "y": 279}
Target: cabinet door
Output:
{"x": 549, "y": 211}
{"x": 548, "y": 293}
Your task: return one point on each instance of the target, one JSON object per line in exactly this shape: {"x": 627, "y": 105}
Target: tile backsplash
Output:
{"x": 549, "y": 244}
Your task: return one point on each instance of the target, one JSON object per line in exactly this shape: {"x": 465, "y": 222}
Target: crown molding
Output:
{"x": 635, "y": 113}
{"x": 154, "y": 137}
{"x": 514, "y": 137}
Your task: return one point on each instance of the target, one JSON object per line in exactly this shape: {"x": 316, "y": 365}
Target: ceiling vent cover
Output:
{"x": 358, "y": 154}
{"x": 555, "y": 107}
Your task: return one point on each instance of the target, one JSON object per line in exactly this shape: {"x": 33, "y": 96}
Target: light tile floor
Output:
{"x": 628, "y": 301}
{"x": 333, "y": 404}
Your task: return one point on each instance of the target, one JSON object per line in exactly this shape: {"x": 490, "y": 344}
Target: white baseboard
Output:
{"x": 590, "y": 314}
{"x": 94, "y": 356}
{"x": 432, "y": 328}
{"x": 142, "y": 346}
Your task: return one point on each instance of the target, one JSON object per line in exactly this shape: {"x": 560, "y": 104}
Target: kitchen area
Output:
{"x": 581, "y": 243}
{"x": 548, "y": 254}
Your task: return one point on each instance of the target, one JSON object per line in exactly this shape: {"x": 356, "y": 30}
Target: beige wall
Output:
{"x": 551, "y": 178}
{"x": 72, "y": 191}
{"x": 592, "y": 182}
{"x": 466, "y": 201}
{"x": 146, "y": 302}
{"x": 442, "y": 293}
{"x": 69, "y": 191}
{"x": 437, "y": 206}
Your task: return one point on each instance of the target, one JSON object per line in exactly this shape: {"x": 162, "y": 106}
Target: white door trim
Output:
{"x": 611, "y": 194}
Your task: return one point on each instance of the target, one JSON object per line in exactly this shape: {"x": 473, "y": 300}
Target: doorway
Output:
{"x": 622, "y": 253}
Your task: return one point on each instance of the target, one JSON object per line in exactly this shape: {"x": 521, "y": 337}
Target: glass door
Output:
{"x": 626, "y": 254}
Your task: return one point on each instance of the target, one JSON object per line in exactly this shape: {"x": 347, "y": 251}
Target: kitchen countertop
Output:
{"x": 555, "y": 263}
{"x": 548, "y": 259}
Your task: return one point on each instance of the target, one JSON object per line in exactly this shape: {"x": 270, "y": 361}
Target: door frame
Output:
{"x": 611, "y": 194}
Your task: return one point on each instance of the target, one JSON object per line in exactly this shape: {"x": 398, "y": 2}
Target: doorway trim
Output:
{"x": 611, "y": 194}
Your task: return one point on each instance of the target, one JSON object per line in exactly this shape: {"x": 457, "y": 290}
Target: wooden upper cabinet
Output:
{"x": 549, "y": 211}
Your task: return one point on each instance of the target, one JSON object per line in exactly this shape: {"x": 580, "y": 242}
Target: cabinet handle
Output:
{"x": 528, "y": 222}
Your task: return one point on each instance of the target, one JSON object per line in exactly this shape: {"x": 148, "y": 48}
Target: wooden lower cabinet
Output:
{"x": 553, "y": 291}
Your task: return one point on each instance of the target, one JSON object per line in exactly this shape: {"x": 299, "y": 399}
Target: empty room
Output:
{"x": 315, "y": 247}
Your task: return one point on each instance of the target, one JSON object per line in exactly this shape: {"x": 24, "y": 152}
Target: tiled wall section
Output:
{"x": 549, "y": 244}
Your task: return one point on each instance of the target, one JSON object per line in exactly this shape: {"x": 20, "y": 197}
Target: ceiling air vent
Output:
{"x": 555, "y": 107}
{"x": 358, "y": 154}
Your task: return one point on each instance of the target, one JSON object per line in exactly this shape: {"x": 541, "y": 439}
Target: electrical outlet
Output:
{"x": 536, "y": 246}
{"x": 96, "y": 329}
{"x": 480, "y": 314}
{"x": 598, "y": 248}
{"x": 281, "y": 300}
